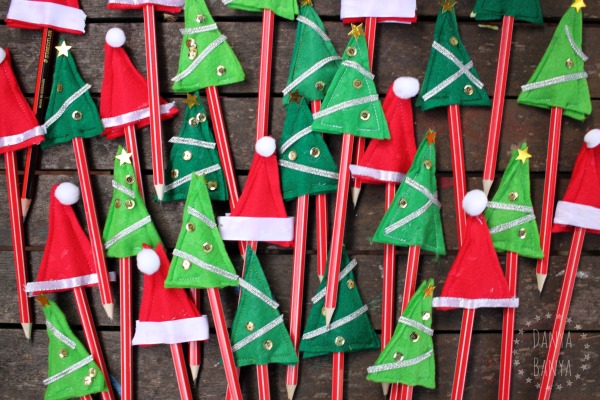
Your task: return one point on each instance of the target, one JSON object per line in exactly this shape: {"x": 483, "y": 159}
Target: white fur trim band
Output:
{"x": 14, "y": 140}
{"x": 134, "y": 116}
{"x": 459, "y": 302}
{"x": 377, "y": 174}
{"x": 48, "y": 14}
{"x": 33, "y": 288}
{"x": 578, "y": 215}
{"x": 378, "y": 8}
{"x": 171, "y": 332}
{"x": 260, "y": 229}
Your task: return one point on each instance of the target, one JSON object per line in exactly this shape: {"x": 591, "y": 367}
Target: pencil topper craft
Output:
{"x": 287, "y": 9}
{"x": 520, "y": 10}
{"x": 399, "y": 11}
{"x": 59, "y": 15}
{"x": 169, "y": 6}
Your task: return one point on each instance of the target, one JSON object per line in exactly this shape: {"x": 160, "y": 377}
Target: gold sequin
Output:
{"x": 453, "y": 41}
{"x": 292, "y": 155}
{"x": 200, "y": 18}
{"x": 357, "y": 83}
{"x": 129, "y": 179}
{"x": 192, "y": 53}
{"x": 212, "y": 185}
{"x": 522, "y": 233}
{"x": 425, "y": 316}
{"x": 62, "y": 353}
{"x": 268, "y": 345}
{"x": 207, "y": 247}
{"x": 513, "y": 196}
{"x": 87, "y": 381}
{"x": 323, "y": 311}
{"x": 428, "y": 164}
{"x": 77, "y": 115}
{"x": 398, "y": 356}
{"x": 350, "y": 283}
{"x": 59, "y": 88}
{"x": 351, "y": 51}
{"x": 174, "y": 173}
{"x": 365, "y": 115}
{"x": 569, "y": 63}
{"x": 93, "y": 372}
{"x": 117, "y": 203}
{"x": 187, "y": 155}
{"x": 403, "y": 203}
{"x": 468, "y": 90}
{"x": 221, "y": 70}
{"x": 129, "y": 204}
{"x": 250, "y": 326}
{"x": 339, "y": 341}
{"x": 193, "y": 121}
{"x": 190, "y": 227}
{"x": 315, "y": 152}
{"x": 414, "y": 337}
{"x": 190, "y": 43}
{"x": 320, "y": 85}
{"x": 201, "y": 117}
{"x": 186, "y": 264}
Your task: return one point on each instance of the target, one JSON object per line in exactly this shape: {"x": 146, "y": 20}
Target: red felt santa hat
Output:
{"x": 398, "y": 11}
{"x": 18, "y": 126}
{"x": 67, "y": 262}
{"x": 260, "y": 213}
{"x": 389, "y": 160}
{"x": 124, "y": 96}
{"x": 170, "y": 6}
{"x": 167, "y": 316}
{"x": 60, "y": 15}
{"x": 476, "y": 279}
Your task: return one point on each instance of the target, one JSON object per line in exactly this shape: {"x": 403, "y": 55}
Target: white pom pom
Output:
{"x": 475, "y": 202}
{"x": 592, "y": 138}
{"x": 2, "y": 55}
{"x": 406, "y": 87}
{"x": 67, "y": 193}
{"x": 265, "y": 146}
{"x": 148, "y": 261}
{"x": 115, "y": 37}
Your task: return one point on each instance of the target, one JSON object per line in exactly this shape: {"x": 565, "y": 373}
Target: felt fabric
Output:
{"x": 414, "y": 218}
{"x": 18, "y": 126}
{"x": 128, "y": 224}
{"x": 389, "y": 160}
{"x": 59, "y": 15}
{"x": 124, "y": 95}
{"x": 401, "y": 11}
{"x": 194, "y": 150}
{"x": 287, "y": 9}
{"x": 350, "y": 328}
{"x": 441, "y": 87}
{"x": 169, "y": 6}
{"x": 521, "y": 10}
{"x": 64, "y": 351}
{"x": 510, "y": 208}
{"x": 412, "y": 340}
{"x": 199, "y": 239}
{"x": 563, "y": 61}
{"x": 305, "y": 164}
{"x": 200, "y": 67}
{"x": 258, "y": 334}
{"x": 312, "y": 47}
{"x": 167, "y": 316}
{"x": 352, "y": 104}
{"x": 80, "y": 116}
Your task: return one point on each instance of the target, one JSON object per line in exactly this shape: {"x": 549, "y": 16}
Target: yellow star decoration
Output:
{"x": 430, "y": 137}
{"x": 447, "y": 5}
{"x": 124, "y": 157}
{"x": 356, "y": 31}
{"x": 523, "y": 155}
{"x": 295, "y": 97}
{"x": 63, "y": 49}
{"x": 43, "y": 300}
{"x": 191, "y": 100}
{"x": 429, "y": 291}
{"x": 306, "y": 3}
{"x": 578, "y": 5}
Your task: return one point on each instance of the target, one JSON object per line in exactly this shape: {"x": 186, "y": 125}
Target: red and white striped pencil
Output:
{"x": 126, "y": 329}
{"x": 194, "y": 349}
{"x": 508, "y": 328}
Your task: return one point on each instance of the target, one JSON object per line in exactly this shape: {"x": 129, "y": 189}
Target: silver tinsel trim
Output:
{"x": 60, "y": 336}
{"x": 200, "y": 58}
{"x": 193, "y": 212}
{"x": 408, "y": 218}
{"x": 188, "y": 177}
{"x": 193, "y": 142}
{"x": 127, "y": 231}
{"x": 346, "y": 104}
{"x": 198, "y": 29}
{"x": 123, "y": 189}
{"x": 510, "y": 207}
{"x": 314, "y": 27}
{"x": 66, "y": 105}
{"x": 512, "y": 224}
{"x": 336, "y": 324}
{"x": 309, "y": 170}
{"x": 423, "y": 190}
{"x": 400, "y": 364}
{"x": 295, "y": 137}
{"x": 308, "y": 73}
{"x": 446, "y": 82}
{"x": 574, "y": 45}
{"x": 252, "y": 337}
{"x": 446, "y": 53}
{"x": 416, "y": 324}
{"x": 67, "y": 371}
{"x": 359, "y": 68}
{"x": 254, "y": 290}
{"x": 343, "y": 274}
{"x": 204, "y": 265}
{"x": 554, "y": 81}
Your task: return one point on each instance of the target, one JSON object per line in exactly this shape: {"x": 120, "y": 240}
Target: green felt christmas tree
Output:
{"x": 206, "y": 59}
{"x": 408, "y": 358}
{"x": 413, "y": 218}
{"x": 560, "y": 79}
{"x": 450, "y": 77}
{"x": 128, "y": 224}
{"x": 314, "y": 61}
{"x": 200, "y": 259}
{"x": 72, "y": 371}
{"x": 305, "y": 164}
{"x": 194, "y": 151}
{"x": 521, "y": 10}
{"x": 352, "y": 104}
{"x": 258, "y": 334}
{"x": 510, "y": 214}
{"x": 350, "y": 329}
{"x": 287, "y": 9}
{"x": 71, "y": 111}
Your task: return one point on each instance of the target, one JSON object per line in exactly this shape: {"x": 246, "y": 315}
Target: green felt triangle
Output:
{"x": 287, "y": 9}
{"x": 422, "y": 219}
{"x": 409, "y": 343}
{"x": 126, "y": 223}
{"x": 200, "y": 239}
{"x": 80, "y": 118}
{"x": 306, "y": 166}
{"x": 64, "y": 351}
{"x": 561, "y": 62}
{"x": 206, "y": 59}
{"x": 253, "y": 314}
{"x": 436, "y": 90}
{"x": 354, "y": 333}
{"x": 521, "y": 10}
{"x": 194, "y": 150}
{"x": 514, "y": 190}
{"x": 312, "y": 47}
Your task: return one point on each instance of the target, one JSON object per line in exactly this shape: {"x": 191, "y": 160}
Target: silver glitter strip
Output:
{"x": 346, "y": 104}
{"x": 415, "y": 324}
{"x": 574, "y": 45}
{"x": 211, "y": 224}
{"x": 445, "y": 83}
{"x": 314, "y": 27}
{"x": 309, "y": 170}
{"x": 408, "y": 218}
{"x": 123, "y": 189}
{"x": 512, "y": 224}
{"x": 209, "y": 267}
{"x": 250, "y": 338}
{"x": 60, "y": 336}
{"x": 336, "y": 324}
{"x": 400, "y": 364}
{"x": 188, "y": 177}
{"x": 343, "y": 274}
{"x": 254, "y": 290}
{"x": 297, "y": 136}
{"x": 12, "y": 140}
{"x": 193, "y": 142}
{"x": 127, "y": 231}
{"x": 69, "y": 370}
{"x": 198, "y": 29}
{"x": 423, "y": 190}
{"x": 359, "y": 68}
{"x": 66, "y": 105}
{"x": 308, "y": 73}
{"x": 554, "y": 81}
{"x": 446, "y": 53}
{"x": 203, "y": 54}
{"x": 510, "y": 207}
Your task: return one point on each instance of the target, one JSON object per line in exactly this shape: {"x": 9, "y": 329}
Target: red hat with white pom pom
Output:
{"x": 67, "y": 262}
{"x": 60, "y": 15}
{"x": 124, "y": 95}
{"x": 260, "y": 213}
{"x": 476, "y": 279}
{"x": 167, "y": 316}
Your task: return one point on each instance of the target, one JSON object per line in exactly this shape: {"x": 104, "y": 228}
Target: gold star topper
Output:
{"x": 430, "y": 137}
{"x": 578, "y": 5}
{"x": 191, "y": 100}
{"x": 124, "y": 157}
{"x": 429, "y": 291}
{"x": 63, "y": 49}
{"x": 306, "y": 3}
{"x": 523, "y": 155}
{"x": 295, "y": 97}
{"x": 447, "y": 5}
{"x": 43, "y": 300}
{"x": 356, "y": 31}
